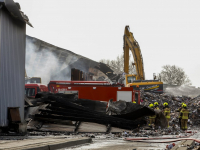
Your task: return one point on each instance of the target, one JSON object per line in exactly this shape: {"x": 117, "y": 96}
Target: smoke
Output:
{"x": 183, "y": 91}
{"x": 53, "y": 63}
{"x": 42, "y": 62}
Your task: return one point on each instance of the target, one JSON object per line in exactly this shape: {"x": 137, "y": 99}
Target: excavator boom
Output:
{"x": 131, "y": 44}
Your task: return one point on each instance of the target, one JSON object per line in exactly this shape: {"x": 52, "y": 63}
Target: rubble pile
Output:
{"x": 66, "y": 109}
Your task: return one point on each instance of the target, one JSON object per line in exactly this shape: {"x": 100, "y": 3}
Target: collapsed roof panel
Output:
{"x": 53, "y": 63}
{"x": 66, "y": 107}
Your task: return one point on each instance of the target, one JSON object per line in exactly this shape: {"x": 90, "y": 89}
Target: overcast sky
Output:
{"x": 168, "y": 32}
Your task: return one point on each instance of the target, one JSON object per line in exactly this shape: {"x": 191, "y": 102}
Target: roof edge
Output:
{"x": 15, "y": 11}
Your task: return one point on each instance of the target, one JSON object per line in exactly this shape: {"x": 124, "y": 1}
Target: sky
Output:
{"x": 167, "y": 31}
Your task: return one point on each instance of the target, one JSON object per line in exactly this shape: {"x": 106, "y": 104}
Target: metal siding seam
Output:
{"x": 6, "y": 48}
{"x": 1, "y": 106}
{"x": 2, "y": 71}
{"x": 21, "y": 58}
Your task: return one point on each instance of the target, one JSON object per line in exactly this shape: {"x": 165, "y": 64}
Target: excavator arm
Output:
{"x": 131, "y": 44}
{"x": 138, "y": 81}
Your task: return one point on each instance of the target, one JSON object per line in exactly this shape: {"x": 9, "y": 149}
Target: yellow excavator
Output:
{"x": 137, "y": 81}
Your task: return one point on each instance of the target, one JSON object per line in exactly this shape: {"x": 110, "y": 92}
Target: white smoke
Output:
{"x": 183, "y": 91}
{"x": 50, "y": 62}
{"x": 43, "y": 64}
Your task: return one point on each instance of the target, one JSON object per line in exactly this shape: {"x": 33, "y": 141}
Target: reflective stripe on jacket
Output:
{"x": 167, "y": 113}
{"x": 184, "y": 113}
{"x": 152, "y": 117}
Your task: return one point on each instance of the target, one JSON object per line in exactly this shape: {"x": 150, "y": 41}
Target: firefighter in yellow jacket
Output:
{"x": 156, "y": 106}
{"x": 179, "y": 110}
{"x": 184, "y": 117}
{"x": 166, "y": 112}
{"x": 152, "y": 118}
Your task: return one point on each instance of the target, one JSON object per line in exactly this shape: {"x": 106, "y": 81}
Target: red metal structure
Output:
{"x": 93, "y": 90}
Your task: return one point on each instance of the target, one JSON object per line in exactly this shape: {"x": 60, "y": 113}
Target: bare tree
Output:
{"x": 174, "y": 75}
{"x": 118, "y": 65}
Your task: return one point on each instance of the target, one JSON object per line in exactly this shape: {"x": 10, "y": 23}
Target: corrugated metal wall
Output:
{"x": 12, "y": 64}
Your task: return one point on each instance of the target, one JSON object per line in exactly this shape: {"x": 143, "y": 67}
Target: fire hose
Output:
{"x": 177, "y": 138}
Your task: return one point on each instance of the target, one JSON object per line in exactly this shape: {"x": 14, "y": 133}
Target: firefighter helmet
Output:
{"x": 165, "y": 104}
{"x": 156, "y": 104}
{"x": 184, "y": 105}
{"x": 134, "y": 102}
{"x": 151, "y": 105}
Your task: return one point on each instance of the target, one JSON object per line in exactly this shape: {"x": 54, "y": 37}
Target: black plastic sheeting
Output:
{"x": 127, "y": 110}
{"x": 68, "y": 107}
{"x": 98, "y": 106}
{"x": 132, "y": 111}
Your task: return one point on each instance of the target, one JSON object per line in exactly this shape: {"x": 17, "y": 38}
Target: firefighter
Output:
{"x": 156, "y": 106}
{"x": 167, "y": 112}
{"x": 184, "y": 117}
{"x": 179, "y": 110}
{"x": 134, "y": 102}
{"x": 152, "y": 118}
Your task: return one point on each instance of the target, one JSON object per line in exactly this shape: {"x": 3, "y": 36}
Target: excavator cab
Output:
{"x": 130, "y": 78}
{"x": 147, "y": 85}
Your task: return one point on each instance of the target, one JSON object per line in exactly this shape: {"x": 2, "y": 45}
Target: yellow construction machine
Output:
{"x": 137, "y": 81}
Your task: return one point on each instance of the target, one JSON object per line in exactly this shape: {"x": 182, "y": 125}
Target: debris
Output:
{"x": 66, "y": 113}
{"x": 74, "y": 114}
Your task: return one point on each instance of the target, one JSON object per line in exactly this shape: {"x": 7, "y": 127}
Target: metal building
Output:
{"x": 12, "y": 61}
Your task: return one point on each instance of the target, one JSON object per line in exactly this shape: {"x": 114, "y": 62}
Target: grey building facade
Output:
{"x": 12, "y": 59}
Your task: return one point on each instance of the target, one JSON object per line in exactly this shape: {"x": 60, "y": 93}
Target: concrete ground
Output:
{"x": 43, "y": 143}
{"x": 76, "y": 142}
{"x": 100, "y": 143}
{"x": 117, "y": 144}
